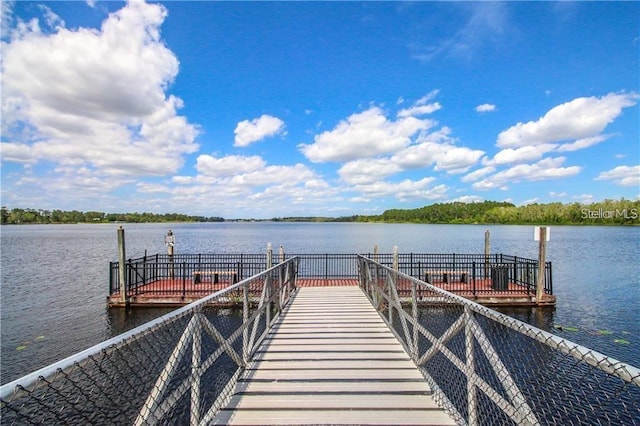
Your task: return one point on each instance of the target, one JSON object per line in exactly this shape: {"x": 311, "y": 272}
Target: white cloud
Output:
{"x": 51, "y": 19}
{"x": 428, "y": 97}
{"x": 521, "y": 155}
{"x": 6, "y": 16}
{"x": 548, "y": 168}
{"x": 622, "y": 175}
{"x": 485, "y": 108}
{"x": 582, "y": 143}
{"x": 435, "y": 149}
{"x": 112, "y": 115}
{"x": 365, "y": 134}
{"x": 557, "y": 194}
{"x": 468, "y": 199}
{"x": 248, "y": 132}
{"x": 577, "y": 119}
{"x": 438, "y": 149}
{"x": 418, "y": 110}
{"x": 404, "y": 190}
{"x": 421, "y": 106}
{"x": 228, "y": 166}
{"x": 477, "y": 174}
{"x": 368, "y": 170}
{"x": 286, "y": 175}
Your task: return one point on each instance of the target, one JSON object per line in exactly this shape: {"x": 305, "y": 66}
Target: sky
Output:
{"x": 276, "y": 109}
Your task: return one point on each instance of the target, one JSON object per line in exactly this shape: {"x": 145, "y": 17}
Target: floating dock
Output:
{"x": 177, "y": 280}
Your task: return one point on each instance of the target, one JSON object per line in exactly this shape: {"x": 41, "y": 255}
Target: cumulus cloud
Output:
{"x": 248, "y": 132}
{"x": 438, "y": 149}
{"x": 521, "y": 155}
{"x": 227, "y": 166}
{"x": 622, "y": 175}
{"x": 548, "y": 168}
{"x": 365, "y": 134}
{"x": 368, "y": 170}
{"x": 577, "y": 119}
{"x": 405, "y": 190}
{"x": 478, "y": 174}
{"x": 95, "y": 98}
{"x": 485, "y": 108}
{"x": 287, "y": 175}
{"x": 582, "y": 143}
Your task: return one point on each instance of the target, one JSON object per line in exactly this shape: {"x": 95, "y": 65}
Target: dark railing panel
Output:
{"x": 478, "y": 273}
{"x": 327, "y": 265}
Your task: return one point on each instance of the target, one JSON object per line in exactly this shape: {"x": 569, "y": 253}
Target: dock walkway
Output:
{"x": 332, "y": 360}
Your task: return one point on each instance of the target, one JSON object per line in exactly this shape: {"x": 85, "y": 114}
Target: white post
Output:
{"x": 542, "y": 252}
{"x": 281, "y": 254}
{"x": 375, "y": 252}
{"x": 395, "y": 257}
{"x": 269, "y": 256}
{"x": 170, "y": 242}
{"x": 487, "y": 243}
{"x": 122, "y": 275}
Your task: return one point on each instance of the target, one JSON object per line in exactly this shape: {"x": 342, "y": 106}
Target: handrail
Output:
{"x": 486, "y": 367}
{"x": 180, "y": 350}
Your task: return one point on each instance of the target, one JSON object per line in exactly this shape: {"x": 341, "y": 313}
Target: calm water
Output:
{"x": 54, "y": 278}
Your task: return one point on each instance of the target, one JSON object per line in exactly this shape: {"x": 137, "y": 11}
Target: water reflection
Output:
{"x": 121, "y": 320}
{"x": 541, "y": 317}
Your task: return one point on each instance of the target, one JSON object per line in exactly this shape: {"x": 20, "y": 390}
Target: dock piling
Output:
{"x": 542, "y": 252}
{"x": 122, "y": 276}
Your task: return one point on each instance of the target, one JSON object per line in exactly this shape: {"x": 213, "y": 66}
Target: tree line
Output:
{"x": 39, "y": 216}
{"x": 607, "y": 212}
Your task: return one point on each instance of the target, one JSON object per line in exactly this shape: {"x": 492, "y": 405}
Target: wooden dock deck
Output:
{"x": 167, "y": 292}
{"x": 331, "y": 359}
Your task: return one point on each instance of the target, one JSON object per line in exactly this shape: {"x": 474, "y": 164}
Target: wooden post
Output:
{"x": 269, "y": 256}
{"x": 375, "y": 252}
{"x": 395, "y": 257}
{"x": 487, "y": 243}
{"x": 281, "y": 254}
{"x": 542, "y": 253}
{"x": 122, "y": 273}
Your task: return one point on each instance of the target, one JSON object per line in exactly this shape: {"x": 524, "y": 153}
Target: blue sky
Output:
{"x": 272, "y": 109}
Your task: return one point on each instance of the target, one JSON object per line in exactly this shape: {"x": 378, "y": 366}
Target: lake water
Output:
{"x": 54, "y": 278}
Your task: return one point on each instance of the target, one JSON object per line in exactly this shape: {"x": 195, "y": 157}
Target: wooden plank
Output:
{"x": 357, "y": 417}
{"x": 346, "y": 387}
{"x": 332, "y": 360}
{"x": 330, "y": 401}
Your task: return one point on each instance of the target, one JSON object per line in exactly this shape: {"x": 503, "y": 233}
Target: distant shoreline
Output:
{"x": 608, "y": 212}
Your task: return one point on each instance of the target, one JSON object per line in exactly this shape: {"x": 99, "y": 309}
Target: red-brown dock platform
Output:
{"x": 179, "y": 292}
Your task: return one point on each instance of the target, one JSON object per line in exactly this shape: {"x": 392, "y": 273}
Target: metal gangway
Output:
{"x": 201, "y": 364}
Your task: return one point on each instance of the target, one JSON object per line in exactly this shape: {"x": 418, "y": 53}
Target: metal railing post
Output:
{"x": 268, "y": 300}
{"x": 184, "y": 279}
{"x": 245, "y": 317}
{"x": 414, "y": 314}
{"x": 473, "y": 278}
{"x": 472, "y": 403}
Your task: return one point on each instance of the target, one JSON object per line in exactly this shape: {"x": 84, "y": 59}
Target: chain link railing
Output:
{"x": 487, "y": 368}
{"x": 178, "y": 369}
